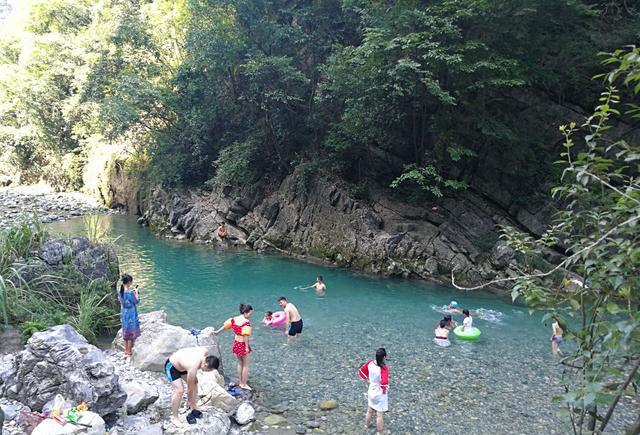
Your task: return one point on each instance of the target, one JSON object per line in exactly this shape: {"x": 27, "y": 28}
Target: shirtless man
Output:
{"x": 222, "y": 231}
{"x": 184, "y": 365}
{"x": 319, "y": 285}
{"x": 293, "y": 322}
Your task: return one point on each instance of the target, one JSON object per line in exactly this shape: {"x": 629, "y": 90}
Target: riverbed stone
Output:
{"x": 61, "y": 361}
{"x": 211, "y": 392}
{"x": 245, "y": 413}
{"x": 327, "y": 405}
{"x": 274, "y": 420}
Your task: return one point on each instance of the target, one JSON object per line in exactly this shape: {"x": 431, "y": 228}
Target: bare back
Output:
{"x": 188, "y": 359}
{"x": 292, "y": 312}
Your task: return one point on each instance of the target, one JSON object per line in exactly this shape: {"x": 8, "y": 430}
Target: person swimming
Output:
{"x": 449, "y": 322}
{"x": 454, "y": 307}
{"x": 442, "y": 334}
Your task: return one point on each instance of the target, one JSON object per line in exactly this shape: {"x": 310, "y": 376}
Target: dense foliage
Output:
{"x": 414, "y": 93}
{"x": 598, "y": 224}
{"x": 34, "y": 297}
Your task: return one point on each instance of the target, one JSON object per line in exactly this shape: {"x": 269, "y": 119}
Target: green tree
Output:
{"x": 598, "y": 225}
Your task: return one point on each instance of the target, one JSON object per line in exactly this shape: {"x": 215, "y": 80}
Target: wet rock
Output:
{"x": 313, "y": 424}
{"x": 245, "y": 414}
{"x": 154, "y": 429}
{"x": 274, "y": 420}
{"x": 301, "y": 429}
{"x": 61, "y": 361}
{"x": 327, "y": 405}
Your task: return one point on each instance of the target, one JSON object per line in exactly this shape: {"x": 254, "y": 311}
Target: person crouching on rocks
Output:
{"x": 376, "y": 373}
{"x": 242, "y": 329}
{"x": 183, "y": 365}
{"x": 129, "y": 298}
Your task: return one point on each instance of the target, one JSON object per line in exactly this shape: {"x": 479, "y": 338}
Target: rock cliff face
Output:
{"x": 379, "y": 235}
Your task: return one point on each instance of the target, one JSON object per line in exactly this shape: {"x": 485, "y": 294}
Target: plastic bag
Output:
{"x": 56, "y": 406}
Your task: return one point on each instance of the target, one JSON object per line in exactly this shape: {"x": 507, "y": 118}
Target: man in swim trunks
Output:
{"x": 222, "y": 231}
{"x": 183, "y": 365}
{"x": 293, "y": 323}
{"x": 319, "y": 285}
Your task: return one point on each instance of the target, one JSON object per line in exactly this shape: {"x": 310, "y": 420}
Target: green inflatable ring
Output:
{"x": 470, "y": 334}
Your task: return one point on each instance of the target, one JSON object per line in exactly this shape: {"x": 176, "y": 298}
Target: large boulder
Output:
{"x": 91, "y": 261}
{"x": 160, "y": 339}
{"x": 61, "y": 361}
{"x": 211, "y": 392}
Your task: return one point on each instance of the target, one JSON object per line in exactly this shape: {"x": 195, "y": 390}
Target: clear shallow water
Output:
{"x": 499, "y": 384}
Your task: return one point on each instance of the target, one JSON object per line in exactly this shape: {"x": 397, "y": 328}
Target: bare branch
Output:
{"x": 555, "y": 269}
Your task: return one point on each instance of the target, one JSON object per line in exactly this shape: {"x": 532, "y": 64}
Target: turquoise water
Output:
{"x": 499, "y": 384}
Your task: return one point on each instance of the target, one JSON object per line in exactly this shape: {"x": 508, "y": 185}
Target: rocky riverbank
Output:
{"x": 379, "y": 235}
{"x": 131, "y": 400}
{"x": 16, "y": 203}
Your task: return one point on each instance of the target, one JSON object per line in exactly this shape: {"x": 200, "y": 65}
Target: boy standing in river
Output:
{"x": 293, "y": 322}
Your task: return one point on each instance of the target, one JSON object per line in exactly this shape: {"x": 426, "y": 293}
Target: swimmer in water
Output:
{"x": 319, "y": 285}
{"x": 449, "y": 322}
{"x": 556, "y": 335}
{"x": 454, "y": 308}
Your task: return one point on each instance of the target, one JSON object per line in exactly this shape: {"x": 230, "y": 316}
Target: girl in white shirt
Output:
{"x": 467, "y": 323}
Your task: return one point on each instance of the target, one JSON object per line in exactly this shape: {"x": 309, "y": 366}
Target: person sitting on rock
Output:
{"x": 183, "y": 365}
{"x": 222, "y": 231}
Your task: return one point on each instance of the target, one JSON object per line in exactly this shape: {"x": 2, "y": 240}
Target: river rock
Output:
{"x": 159, "y": 340}
{"x": 327, "y": 405}
{"x": 61, "y": 361}
{"x": 211, "y": 392}
{"x": 139, "y": 396}
{"x": 54, "y": 252}
{"x": 274, "y": 420}
{"x": 212, "y": 422}
{"x": 154, "y": 429}
{"x": 245, "y": 414}
{"x": 52, "y": 427}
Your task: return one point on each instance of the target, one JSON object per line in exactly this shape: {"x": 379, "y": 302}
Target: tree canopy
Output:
{"x": 426, "y": 95}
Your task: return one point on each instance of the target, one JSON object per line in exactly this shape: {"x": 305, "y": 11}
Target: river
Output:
{"x": 501, "y": 383}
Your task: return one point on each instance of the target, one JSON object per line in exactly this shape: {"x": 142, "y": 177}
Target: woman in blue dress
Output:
{"x": 129, "y": 300}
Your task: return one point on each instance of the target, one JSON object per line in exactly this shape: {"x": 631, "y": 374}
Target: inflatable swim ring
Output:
{"x": 277, "y": 318}
{"x": 469, "y": 334}
{"x": 442, "y": 342}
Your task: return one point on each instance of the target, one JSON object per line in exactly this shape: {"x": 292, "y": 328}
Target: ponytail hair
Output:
{"x": 126, "y": 279}
{"x": 245, "y": 308}
{"x": 380, "y": 354}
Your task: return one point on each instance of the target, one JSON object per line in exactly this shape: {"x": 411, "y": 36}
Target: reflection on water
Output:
{"x": 500, "y": 384}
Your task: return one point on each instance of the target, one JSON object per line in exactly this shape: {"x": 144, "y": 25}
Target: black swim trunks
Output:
{"x": 173, "y": 374}
{"x": 295, "y": 328}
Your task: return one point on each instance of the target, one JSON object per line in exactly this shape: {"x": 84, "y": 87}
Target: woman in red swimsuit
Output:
{"x": 242, "y": 329}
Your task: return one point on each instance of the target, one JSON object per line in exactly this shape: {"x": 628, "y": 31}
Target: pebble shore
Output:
{"x": 18, "y": 203}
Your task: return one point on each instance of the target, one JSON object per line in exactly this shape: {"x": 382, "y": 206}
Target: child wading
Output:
{"x": 376, "y": 373}
{"x": 129, "y": 300}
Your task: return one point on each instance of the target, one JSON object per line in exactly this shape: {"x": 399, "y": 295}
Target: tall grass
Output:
{"x": 95, "y": 229}
{"x": 35, "y": 302}
{"x": 19, "y": 241}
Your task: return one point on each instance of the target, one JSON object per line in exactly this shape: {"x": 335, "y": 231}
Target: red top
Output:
{"x": 239, "y": 329}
